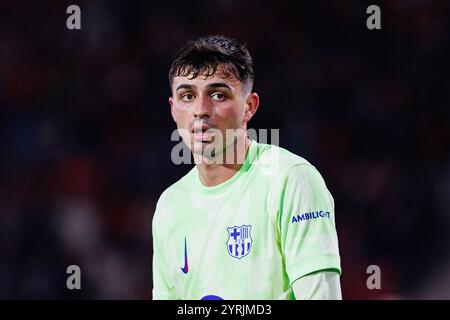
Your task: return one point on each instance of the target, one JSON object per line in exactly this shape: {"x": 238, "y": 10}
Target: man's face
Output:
{"x": 212, "y": 104}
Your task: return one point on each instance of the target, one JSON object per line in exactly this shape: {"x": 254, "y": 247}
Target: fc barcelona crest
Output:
{"x": 239, "y": 241}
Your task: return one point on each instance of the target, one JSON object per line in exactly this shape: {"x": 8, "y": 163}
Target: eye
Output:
{"x": 219, "y": 96}
{"x": 187, "y": 97}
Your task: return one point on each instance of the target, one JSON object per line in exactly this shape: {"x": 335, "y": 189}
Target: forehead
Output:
{"x": 203, "y": 80}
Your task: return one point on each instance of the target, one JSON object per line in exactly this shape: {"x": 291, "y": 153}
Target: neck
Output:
{"x": 217, "y": 173}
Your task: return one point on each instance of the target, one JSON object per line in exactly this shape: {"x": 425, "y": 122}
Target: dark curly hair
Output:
{"x": 205, "y": 55}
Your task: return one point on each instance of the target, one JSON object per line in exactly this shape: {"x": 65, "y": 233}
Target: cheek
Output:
{"x": 180, "y": 117}
{"x": 233, "y": 115}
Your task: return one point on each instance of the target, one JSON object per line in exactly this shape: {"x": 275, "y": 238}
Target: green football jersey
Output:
{"x": 250, "y": 237}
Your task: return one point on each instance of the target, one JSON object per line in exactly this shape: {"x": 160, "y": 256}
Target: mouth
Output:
{"x": 200, "y": 133}
{"x": 199, "y": 128}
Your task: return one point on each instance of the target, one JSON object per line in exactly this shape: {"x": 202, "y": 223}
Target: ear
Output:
{"x": 172, "y": 109}
{"x": 251, "y": 106}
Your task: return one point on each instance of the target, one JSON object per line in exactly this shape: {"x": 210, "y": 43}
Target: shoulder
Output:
{"x": 289, "y": 175}
{"x": 178, "y": 189}
{"x": 278, "y": 162}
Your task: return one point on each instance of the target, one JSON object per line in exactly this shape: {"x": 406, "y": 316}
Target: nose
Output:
{"x": 202, "y": 107}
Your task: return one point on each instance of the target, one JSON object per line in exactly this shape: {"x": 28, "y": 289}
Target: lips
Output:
{"x": 199, "y": 127}
{"x": 200, "y": 132}
{"x": 203, "y": 136}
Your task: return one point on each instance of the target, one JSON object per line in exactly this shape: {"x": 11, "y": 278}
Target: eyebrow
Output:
{"x": 218, "y": 85}
{"x": 211, "y": 85}
{"x": 184, "y": 86}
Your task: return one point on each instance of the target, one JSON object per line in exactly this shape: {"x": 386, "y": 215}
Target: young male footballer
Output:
{"x": 250, "y": 220}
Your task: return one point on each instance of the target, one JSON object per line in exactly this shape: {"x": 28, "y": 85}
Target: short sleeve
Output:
{"x": 307, "y": 223}
{"x": 323, "y": 285}
{"x": 163, "y": 288}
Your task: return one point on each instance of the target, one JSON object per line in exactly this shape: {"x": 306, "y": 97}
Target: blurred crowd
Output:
{"x": 85, "y": 134}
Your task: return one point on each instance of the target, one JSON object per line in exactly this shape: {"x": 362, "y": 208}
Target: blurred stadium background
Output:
{"x": 85, "y": 134}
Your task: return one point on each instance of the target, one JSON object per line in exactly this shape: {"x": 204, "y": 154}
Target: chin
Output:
{"x": 206, "y": 150}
